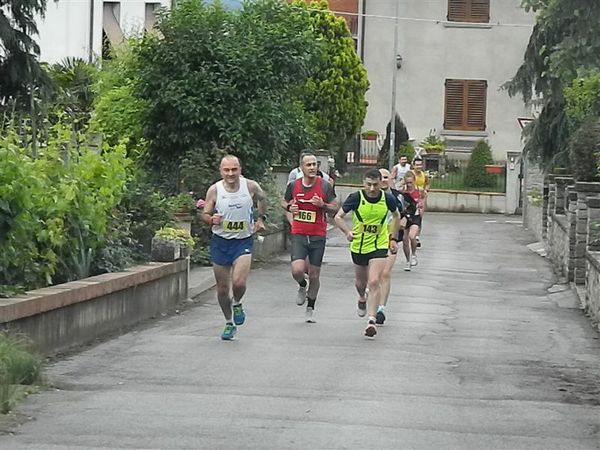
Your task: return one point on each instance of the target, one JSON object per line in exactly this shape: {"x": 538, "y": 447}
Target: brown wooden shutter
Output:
{"x": 476, "y": 104}
{"x": 469, "y": 11}
{"x": 458, "y": 10}
{"x": 465, "y": 105}
{"x": 480, "y": 11}
{"x": 454, "y": 109}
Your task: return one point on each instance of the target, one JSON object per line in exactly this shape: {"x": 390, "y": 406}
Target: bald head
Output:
{"x": 230, "y": 169}
{"x": 230, "y": 159}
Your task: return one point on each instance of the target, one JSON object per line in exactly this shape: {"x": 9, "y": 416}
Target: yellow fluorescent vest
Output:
{"x": 370, "y": 226}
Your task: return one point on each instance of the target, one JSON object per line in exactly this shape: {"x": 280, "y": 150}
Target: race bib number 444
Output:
{"x": 235, "y": 225}
{"x": 306, "y": 216}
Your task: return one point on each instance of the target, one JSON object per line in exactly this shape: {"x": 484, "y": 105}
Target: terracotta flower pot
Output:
{"x": 494, "y": 168}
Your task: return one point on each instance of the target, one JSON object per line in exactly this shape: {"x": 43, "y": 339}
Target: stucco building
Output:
{"x": 455, "y": 56}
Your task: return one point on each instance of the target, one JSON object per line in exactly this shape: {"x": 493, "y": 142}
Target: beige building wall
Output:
{"x": 434, "y": 50}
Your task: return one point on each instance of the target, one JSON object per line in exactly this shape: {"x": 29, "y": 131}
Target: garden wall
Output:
{"x": 571, "y": 226}
{"x": 71, "y": 314}
{"x": 450, "y": 201}
{"x": 558, "y": 246}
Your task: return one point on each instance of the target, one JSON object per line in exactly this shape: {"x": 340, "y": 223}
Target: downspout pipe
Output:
{"x": 91, "y": 36}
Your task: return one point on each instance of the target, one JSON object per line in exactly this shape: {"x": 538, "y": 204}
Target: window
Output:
{"x": 150, "y": 15}
{"x": 469, "y": 11}
{"x": 465, "y": 105}
{"x": 112, "y": 35}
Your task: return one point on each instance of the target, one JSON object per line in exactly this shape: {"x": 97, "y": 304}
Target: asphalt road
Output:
{"x": 477, "y": 353}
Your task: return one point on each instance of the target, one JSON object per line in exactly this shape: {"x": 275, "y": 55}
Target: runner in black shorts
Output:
{"x": 369, "y": 241}
{"x": 414, "y": 209}
{"x": 308, "y": 199}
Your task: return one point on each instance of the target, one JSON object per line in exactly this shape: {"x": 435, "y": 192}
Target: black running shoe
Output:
{"x": 371, "y": 330}
{"x": 380, "y": 318}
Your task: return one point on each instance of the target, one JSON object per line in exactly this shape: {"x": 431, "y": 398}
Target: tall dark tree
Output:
{"x": 564, "y": 44}
{"x": 400, "y": 140}
{"x": 20, "y": 70}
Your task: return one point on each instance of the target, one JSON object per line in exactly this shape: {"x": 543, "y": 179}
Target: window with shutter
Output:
{"x": 465, "y": 105}
{"x": 477, "y": 11}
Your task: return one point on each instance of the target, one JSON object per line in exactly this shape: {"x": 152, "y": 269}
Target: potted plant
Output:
{"x": 170, "y": 244}
{"x": 370, "y": 135}
{"x": 183, "y": 207}
{"x": 433, "y": 144}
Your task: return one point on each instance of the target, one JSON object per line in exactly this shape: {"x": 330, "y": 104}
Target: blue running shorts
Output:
{"x": 224, "y": 252}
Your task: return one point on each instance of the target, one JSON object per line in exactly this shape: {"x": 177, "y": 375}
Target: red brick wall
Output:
{"x": 350, "y": 6}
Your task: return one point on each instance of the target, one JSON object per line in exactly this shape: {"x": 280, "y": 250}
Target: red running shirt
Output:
{"x": 309, "y": 220}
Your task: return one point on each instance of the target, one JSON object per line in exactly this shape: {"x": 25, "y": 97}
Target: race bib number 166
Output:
{"x": 306, "y": 216}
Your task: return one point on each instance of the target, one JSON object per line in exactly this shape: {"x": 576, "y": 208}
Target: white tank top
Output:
{"x": 236, "y": 209}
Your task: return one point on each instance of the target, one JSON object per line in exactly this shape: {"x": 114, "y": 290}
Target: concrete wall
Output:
{"x": 71, "y": 314}
{"x": 533, "y": 199}
{"x": 434, "y": 50}
{"x": 450, "y": 201}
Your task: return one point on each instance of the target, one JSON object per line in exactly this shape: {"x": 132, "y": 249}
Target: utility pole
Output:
{"x": 394, "y": 76}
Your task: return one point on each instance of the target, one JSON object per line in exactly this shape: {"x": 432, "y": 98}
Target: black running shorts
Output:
{"x": 311, "y": 246}
{"x": 413, "y": 220}
{"x": 363, "y": 259}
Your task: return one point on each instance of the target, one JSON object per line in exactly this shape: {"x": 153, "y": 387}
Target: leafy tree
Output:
{"x": 212, "y": 77}
{"x": 73, "y": 92}
{"x": 583, "y": 100}
{"x": 335, "y": 92}
{"x": 20, "y": 70}
{"x": 584, "y": 147}
{"x": 117, "y": 109}
{"x": 564, "y": 44}
{"x": 476, "y": 175}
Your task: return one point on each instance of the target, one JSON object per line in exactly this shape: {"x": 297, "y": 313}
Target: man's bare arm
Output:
{"x": 209, "y": 205}
{"x": 259, "y": 196}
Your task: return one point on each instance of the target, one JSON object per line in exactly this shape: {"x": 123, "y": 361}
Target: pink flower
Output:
{"x": 200, "y": 203}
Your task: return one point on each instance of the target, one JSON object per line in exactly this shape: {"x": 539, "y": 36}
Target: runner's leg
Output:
{"x": 386, "y": 278}
{"x": 376, "y": 268}
{"x": 362, "y": 274}
{"x": 241, "y": 269}
{"x": 223, "y": 279}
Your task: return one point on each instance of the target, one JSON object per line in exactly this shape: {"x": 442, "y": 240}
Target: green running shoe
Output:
{"x": 239, "y": 316}
{"x": 229, "y": 332}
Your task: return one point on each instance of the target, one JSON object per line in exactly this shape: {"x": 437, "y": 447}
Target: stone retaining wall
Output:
{"x": 570, "y": 229}
{"x": 71, "y": 314}
{"x": 558, "y": 245}
{"x": 592, "y": 294}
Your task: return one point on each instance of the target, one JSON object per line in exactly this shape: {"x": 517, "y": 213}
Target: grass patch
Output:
{"x": 20, "y": 370}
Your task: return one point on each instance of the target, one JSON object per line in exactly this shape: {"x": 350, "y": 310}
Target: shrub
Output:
{"x": 476, "y": 175}
{"x": 407, "y": 149}
{"x": 55, "y": 207}
{"x": 170, "y": 234}
{"x": 584, "y": 145}
{"x": 18, "y": 366}
{"x": 583, "y": 100}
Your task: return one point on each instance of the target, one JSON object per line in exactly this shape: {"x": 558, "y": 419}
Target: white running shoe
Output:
{"x": 301, "y": 298}
{"x": 361, "y": 309}
{"x": 310, "y": 315}
{"x": 413, "y": 260}
{"x": 407, "y": 267}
